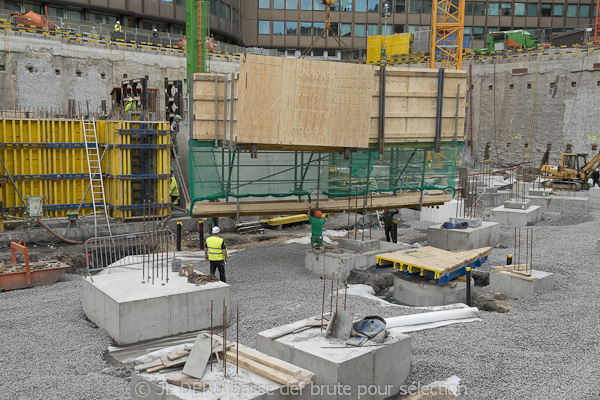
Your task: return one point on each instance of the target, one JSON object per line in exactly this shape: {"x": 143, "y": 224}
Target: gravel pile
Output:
{"x": 49, "y": 350}
{"x": 570, "y": 217}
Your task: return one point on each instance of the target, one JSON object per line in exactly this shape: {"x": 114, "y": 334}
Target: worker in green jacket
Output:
{"x": 174, "y": 190}
{"x": 388, "y": 224}
{"x": 316, "y": 224}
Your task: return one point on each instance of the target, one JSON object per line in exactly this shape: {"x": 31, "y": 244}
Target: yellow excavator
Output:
{"x": 573, "y": 172}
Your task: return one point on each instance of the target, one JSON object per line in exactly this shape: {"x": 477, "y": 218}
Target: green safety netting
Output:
{"x": 218, "y": 173}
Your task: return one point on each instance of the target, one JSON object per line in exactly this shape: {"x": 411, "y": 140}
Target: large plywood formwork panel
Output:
{"x": 297, "y": 103}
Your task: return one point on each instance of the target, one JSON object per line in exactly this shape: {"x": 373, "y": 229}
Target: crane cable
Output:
{"x": 537, "y": 64}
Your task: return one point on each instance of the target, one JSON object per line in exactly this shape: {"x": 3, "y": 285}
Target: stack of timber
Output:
{"x": 292, "y": 104}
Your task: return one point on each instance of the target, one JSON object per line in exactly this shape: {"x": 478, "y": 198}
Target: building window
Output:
{"x": 306, "y": 5}
{"x": 360, "y": 30}
{"x": 291, "y": 4}
{"x": 74, "y": 15}
{"x": 387, "y": 29}
{"x": 479, "y": 8}
{"x": 559, "y": 10}
{"x": 318, "y": 27}
{"x": 494, "y": 9}
{"x": 584, "y": 11}
{"x": 361, "y": 5}
{"x": 228, "y": 12}
{"x": 318, "y": 6}
{"x": 97, "y": 18}
{"x": 414, "y": 6}
{"x": 279, "y": 4}
{"x": 12, "y": 6}
{"x": 399, "y": 28}
{"x": 373, "y": 5}
{"x": 572, "y": 11}
{"x": 372, "y": 29}
{"x": 167, "y": 1}
{"x": 492, "y": 29}
{"x": 478, "y": 31}
{"x": 468, "y": 8}
{"x": 278, "y": 27}
{"x": 546, "y": 10}
{"x": 468, "y": 31}
{"x": 221, "y": 9}
{"x": 264, "y": 27}
{"x": 291, "y": 28}
{"x": 110, "y": 20}
{"x": 236, "y": 17}
{"x": 305, "y": 28}
{"x": 506, "y": 9}
{"x": 427, "y": 6}
{"x": 400, "y": 6}
{"x": 346, "y": 5}
{"x": 412, "y": 28}
{"x": 262, "y": 4}
{"x": 180, "y": 3}
{"x": 532, "y": 9}
{"x": 214, "y": 6}
{"x": 519, "y": 9}
{"x": 52, "y": 11}
{"x": 36, "y": 8}
{"x": 345, "y": 30}
{"x": 335, "y": 28}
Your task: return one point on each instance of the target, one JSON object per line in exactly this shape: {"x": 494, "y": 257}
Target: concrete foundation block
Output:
{"x": 359, "y": 245}
{"x": 132, "y": 311}
{"x": 518, "y": 285}
{"x": 516, "y": 205}
{"x": 340, "y": 264}
{"x": 439, "y": 214}
{"x": 488, "y": 234}
{"x": 494, "y": 199}
{"x": 359, "y": 372}
{"x": 422, "y": 292}
{"x": 559, "y": 203}
{"x": 514, "y": 217}
{"x": 539, "y": 192}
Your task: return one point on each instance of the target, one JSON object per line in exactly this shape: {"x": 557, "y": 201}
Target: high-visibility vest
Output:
{"x": 174, "y": 188}
{"x": 215, "y": 252}
{"x": 117, "y": 28}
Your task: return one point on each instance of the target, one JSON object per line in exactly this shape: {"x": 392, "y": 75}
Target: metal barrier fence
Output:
{"x": 151, "y": 249}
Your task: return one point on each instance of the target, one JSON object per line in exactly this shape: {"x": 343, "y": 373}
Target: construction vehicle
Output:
{"x": 31, "y": 19}
{"x": 573, "y": 172}
{"x": 518, "y": 39}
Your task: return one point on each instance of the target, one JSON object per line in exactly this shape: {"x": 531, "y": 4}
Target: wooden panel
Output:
{"x": 283, "y": 207}
{"x": 292, "y": 103}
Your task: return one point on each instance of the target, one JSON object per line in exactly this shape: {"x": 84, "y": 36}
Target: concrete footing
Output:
{"x": 340, "y": 264}
{"x": 494, "y": 199}
{"x": 515, "y": 217}
{"x": 488, "y": 234}
{"x": 359, "y": 245}
{"x": 516, "y": 205}
{"x": 518, "y": 285}
{"x": 539, "y": 192}
{"x": 342, "y": 373}
{"x": 559, "y": 203}
{"x": 132, "y": 311}
{"x": 422, "y": 292}
{"x": 439, "y": 214}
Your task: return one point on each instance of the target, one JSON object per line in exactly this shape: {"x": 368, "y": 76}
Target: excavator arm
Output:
{"x": 587, "y": 170}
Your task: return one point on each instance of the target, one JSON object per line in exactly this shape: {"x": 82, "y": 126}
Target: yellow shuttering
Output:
{"x": 48, "y": 157}
{"x": 374, "y": 44}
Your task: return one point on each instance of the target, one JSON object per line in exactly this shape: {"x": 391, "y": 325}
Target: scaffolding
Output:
{"x": 447, "y": 27}
{"x": 219, "y": 173}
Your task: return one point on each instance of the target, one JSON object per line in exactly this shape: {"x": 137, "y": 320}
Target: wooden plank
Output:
{"x": 265, "y": 371}
{"x": 407, "y": 200}
{"x": 177, "y": 354}
{"x": 150, "y": 364}
{"x": 434, "y": 259}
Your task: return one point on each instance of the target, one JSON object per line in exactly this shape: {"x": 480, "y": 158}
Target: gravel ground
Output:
{"x": 547, "y": 349}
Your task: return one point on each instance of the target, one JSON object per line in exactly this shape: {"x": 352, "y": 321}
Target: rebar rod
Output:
{"x": 237, "y": 333}
{"x": 211, "y": 335}
{"x": 345, "y": 292}
{"x": 323, "y": 305}
{"x": 225, "y": 337}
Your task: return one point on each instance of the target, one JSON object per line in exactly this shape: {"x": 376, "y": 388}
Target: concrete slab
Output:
{"x": 340, "y": 264}
{"x": 594, "y": 193}
{"x": 359, "y": 245}
{"x": 342, "y": 373}
{"x": 488, "y": 234}
{"x": 539, "y": 192}
{"x": 515, "y": 284}
{"x": 514, "y": 217}
{"x": 517, "y": 205}
{"x": 422, "y": 292}
{"x": 559, "y": 203}
{"x": 131, "y": 311}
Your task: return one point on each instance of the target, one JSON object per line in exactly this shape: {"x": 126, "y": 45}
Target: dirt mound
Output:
{"x": 570, "y": 217}
{"x": 378, "y": 280}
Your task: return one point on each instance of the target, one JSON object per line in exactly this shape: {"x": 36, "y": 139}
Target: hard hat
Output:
{"x": 118, "y": 22}
{"x": 178, "y": 117}
{"x": 318, "y": 214}
{"x": 172, "y": 169}
{"x": 154, "y": 29}
{"x": 215, "y": 230}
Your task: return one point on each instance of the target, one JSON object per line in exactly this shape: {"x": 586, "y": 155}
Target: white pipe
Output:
{"x": 436, "y": 316}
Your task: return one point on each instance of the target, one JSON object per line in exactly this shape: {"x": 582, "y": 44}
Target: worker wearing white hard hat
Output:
{"x": 215, "y": 251}
{"x": 118, "y": 26}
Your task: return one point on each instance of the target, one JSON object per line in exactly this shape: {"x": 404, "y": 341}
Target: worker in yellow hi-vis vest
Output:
{"x": 174, "y": 190}
{"x": 216, "y": 252}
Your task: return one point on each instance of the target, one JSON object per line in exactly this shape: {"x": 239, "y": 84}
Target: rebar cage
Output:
{"x": 219, "y": 173}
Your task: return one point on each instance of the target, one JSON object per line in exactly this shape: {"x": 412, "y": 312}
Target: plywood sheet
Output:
{"x": 434, "y": 259}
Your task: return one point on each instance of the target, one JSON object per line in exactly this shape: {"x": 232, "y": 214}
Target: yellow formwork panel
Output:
{"x": 374, "y": 44}
{"x": 48, "y": 157}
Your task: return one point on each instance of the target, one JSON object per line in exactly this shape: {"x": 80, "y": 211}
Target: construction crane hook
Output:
{"x": 328, "y": 4}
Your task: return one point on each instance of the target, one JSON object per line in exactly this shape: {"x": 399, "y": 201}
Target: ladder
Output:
{"x": 183, "y": 190}
{"x": 95, "y": 171}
